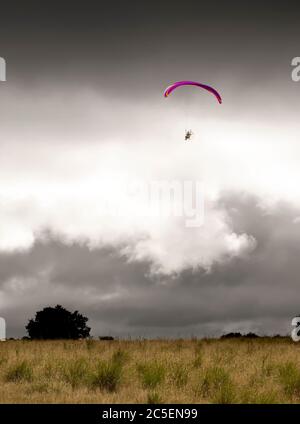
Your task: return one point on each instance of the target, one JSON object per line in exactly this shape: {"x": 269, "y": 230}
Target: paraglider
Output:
{"x": 188, "y": 135}
{"x": 177, "y": 84}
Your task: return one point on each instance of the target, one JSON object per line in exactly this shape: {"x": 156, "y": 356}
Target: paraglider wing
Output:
{"x": 173, "y": 87}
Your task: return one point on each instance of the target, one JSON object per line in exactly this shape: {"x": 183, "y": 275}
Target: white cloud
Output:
{"x": 60, "y": 174}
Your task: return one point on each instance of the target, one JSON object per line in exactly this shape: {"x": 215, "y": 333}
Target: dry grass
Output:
{"x": 150, "y": 371}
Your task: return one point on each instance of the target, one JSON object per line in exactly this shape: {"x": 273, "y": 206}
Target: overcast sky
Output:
{"x": 82, "y": 112}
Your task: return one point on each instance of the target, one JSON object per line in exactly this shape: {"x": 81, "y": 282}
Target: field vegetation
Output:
{"x": 263, "y": 370}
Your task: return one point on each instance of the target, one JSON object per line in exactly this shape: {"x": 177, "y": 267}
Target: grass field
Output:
{"x": 150, "y": 371}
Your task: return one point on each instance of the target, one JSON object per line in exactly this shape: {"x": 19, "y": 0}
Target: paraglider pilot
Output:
{"x": 188, "y": 135}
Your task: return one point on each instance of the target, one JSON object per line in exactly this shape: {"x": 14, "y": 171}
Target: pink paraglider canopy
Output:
{"x": 173, "y": 87}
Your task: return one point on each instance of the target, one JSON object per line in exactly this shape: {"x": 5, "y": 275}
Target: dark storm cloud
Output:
{"x": 259, "y": 292}
{"x": 140, "y": 46}
{"x": 73, "y": 264}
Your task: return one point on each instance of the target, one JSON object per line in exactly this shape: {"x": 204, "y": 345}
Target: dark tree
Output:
{"x": 239, "y": 335}
{"x": 58, "y": 323}
{"x": 231, "y": 336}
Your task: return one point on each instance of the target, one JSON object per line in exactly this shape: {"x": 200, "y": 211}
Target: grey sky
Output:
{"x": 83, "y": 104}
